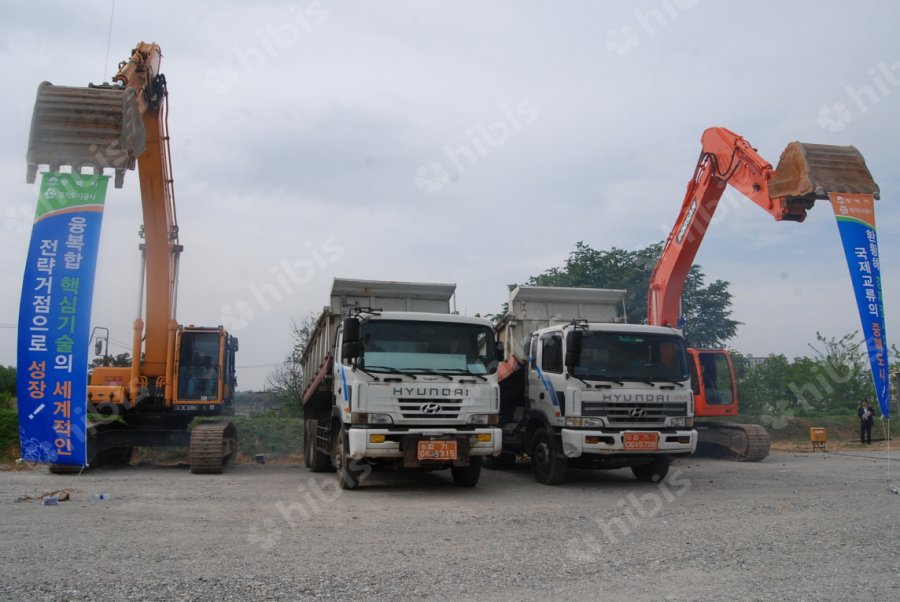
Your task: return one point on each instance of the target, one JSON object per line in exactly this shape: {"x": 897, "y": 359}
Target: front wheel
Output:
{"x": 655, "y": 471}
{"x": 547, "y": 466}
{"x": 467, "y": 476}
{"x": 347, "y": 472}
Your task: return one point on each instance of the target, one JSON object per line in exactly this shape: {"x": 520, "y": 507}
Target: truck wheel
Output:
{"x": 347, "y": 473}
{"x": 307, "y": 442}
{"x": 505, "y": 461}
{"x": 548, "y": 467}
{"x": 467, "y": 476}
{"x": 655, "y": 471}
{"x": 318, "y": 461}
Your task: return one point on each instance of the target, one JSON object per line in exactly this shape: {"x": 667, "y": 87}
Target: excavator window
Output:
{"x": 198, "y": 366}
{"x": 717, "y": 379}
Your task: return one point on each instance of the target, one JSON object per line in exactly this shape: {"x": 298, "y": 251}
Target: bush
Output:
{"x": 9, "y": 435}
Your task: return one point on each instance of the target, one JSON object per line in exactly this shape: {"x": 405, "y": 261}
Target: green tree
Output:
{"x": 7, "y": 386}
{"x": 706, "y": 308}
{"x": 286, "y": 381}
{"x": 122, "y": 360}
{"x": 8, "y": 379}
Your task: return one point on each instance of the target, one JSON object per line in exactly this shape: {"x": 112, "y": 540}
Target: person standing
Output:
{"x": 866, "y": 418}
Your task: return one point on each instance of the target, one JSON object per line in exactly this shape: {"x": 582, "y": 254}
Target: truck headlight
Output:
{"x": 484, "y": 419}
{"x": 681, "y": 421}
{"x": 582, "y": 422}
{"x": 370, "y": 418}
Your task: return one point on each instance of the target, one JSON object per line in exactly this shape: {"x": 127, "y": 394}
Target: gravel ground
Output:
{"x": 796, "y": 526}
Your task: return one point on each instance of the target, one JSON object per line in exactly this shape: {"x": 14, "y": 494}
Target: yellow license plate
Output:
{"x": 437, "y": 450}
{"x": 641, "y": 441}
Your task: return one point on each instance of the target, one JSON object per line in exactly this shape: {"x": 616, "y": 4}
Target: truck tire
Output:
{"x": 547, "y": 465}
{"x": 467, "y": 476}
{"x": 307, "y": 442}
{"x": 318, "y": 461}
{"x": 347, "y": 472}
{"x": 655, "y": 471}
{"x": 505, "y": 461}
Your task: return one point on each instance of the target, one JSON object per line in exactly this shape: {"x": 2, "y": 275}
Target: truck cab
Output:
{"x": 407, "y": 389}
{"x": 592, "y": 394}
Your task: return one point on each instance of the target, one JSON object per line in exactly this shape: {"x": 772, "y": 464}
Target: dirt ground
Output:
{"x": 798, "y": 526}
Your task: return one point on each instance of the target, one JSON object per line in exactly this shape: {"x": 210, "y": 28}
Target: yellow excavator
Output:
{"x": 177, "y": 372}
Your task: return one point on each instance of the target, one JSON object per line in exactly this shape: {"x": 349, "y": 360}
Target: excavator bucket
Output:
{"x": 97, "y": 127}
{"x": 811, "y": 171}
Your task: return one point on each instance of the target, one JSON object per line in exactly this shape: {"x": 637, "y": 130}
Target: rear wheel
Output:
{"x": 308, "y": 434}
{"x": 467, "y": 476}
{"x": 655, "y": 471}
{"x": 547, "y": 466}
{"x": 318, "y": 460}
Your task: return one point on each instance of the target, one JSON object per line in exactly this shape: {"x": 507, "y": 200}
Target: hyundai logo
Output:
{"x": 637, "y": 412}
{"x": 430, "y": 408}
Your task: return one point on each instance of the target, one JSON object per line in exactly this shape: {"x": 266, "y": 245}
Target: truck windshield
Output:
{"x": 632, "y": 356}
{"x": 428, "y": 346}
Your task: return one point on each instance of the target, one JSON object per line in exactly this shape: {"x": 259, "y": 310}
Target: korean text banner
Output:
{"x": 54, "y": 319}
{"x": 855, "y": 215}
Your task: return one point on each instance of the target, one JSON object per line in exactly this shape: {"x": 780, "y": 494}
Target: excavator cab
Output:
{"x": 204, "y": 370}
{"x": 713, "y": 382}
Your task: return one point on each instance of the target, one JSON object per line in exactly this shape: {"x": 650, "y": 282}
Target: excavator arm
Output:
{"x": 177, "y": 372}
{"x": 117, "y": 127}
{"x": 805, "y": 173}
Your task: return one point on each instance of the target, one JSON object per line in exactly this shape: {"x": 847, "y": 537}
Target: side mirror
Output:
{"x": 350, "y": 329}
{"x": 500, "y": 348}
{"x": 349, "y": 351}
{"x": 98, "y": 346}
{"x": 234, "y": 344}
{"x": 573, "y": 349}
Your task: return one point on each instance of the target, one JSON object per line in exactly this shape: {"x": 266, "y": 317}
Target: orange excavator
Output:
{"x": 805, "y": 173}
{"x": 177, "y": 372}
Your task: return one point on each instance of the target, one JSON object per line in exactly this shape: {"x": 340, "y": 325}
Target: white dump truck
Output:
{"x": 582, "y": 388}
{"x": 393, "y": 377}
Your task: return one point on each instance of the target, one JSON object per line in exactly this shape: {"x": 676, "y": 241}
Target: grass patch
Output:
{"x": 9, "y": 435}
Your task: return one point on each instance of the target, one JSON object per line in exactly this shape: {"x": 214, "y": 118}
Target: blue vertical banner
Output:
{"x": 54, "y": 319}
{"x": 855, "y": 214}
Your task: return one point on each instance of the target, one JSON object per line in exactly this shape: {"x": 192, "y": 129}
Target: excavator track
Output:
{"x": 213, "y": 446}
{"x": 733, "y": 441}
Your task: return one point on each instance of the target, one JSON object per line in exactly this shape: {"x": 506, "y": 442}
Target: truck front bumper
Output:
{"x": 395, "y": 443}
{"x": 578, "y": 442}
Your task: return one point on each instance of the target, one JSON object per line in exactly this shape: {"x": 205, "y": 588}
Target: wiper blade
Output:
{"x": 390, "y": 371}
{"x": 461, "y": 371}
{"x": 661, "y": 379}
{"x": 604, "y": 379}
{"x": 430, "y": 372}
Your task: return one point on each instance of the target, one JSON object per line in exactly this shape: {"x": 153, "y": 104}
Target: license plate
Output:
{"x": 437, "y": 450}
{"x": 641, "y": 441}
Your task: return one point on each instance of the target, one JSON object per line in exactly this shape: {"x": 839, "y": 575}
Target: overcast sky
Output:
{"x": 464, "y": 142}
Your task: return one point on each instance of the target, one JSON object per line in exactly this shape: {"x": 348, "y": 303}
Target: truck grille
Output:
{"x": 420, "y": 409}
{"x": 633, "y": 413}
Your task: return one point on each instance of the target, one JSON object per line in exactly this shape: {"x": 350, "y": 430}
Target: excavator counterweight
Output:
{"x": 98, "y": 127}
